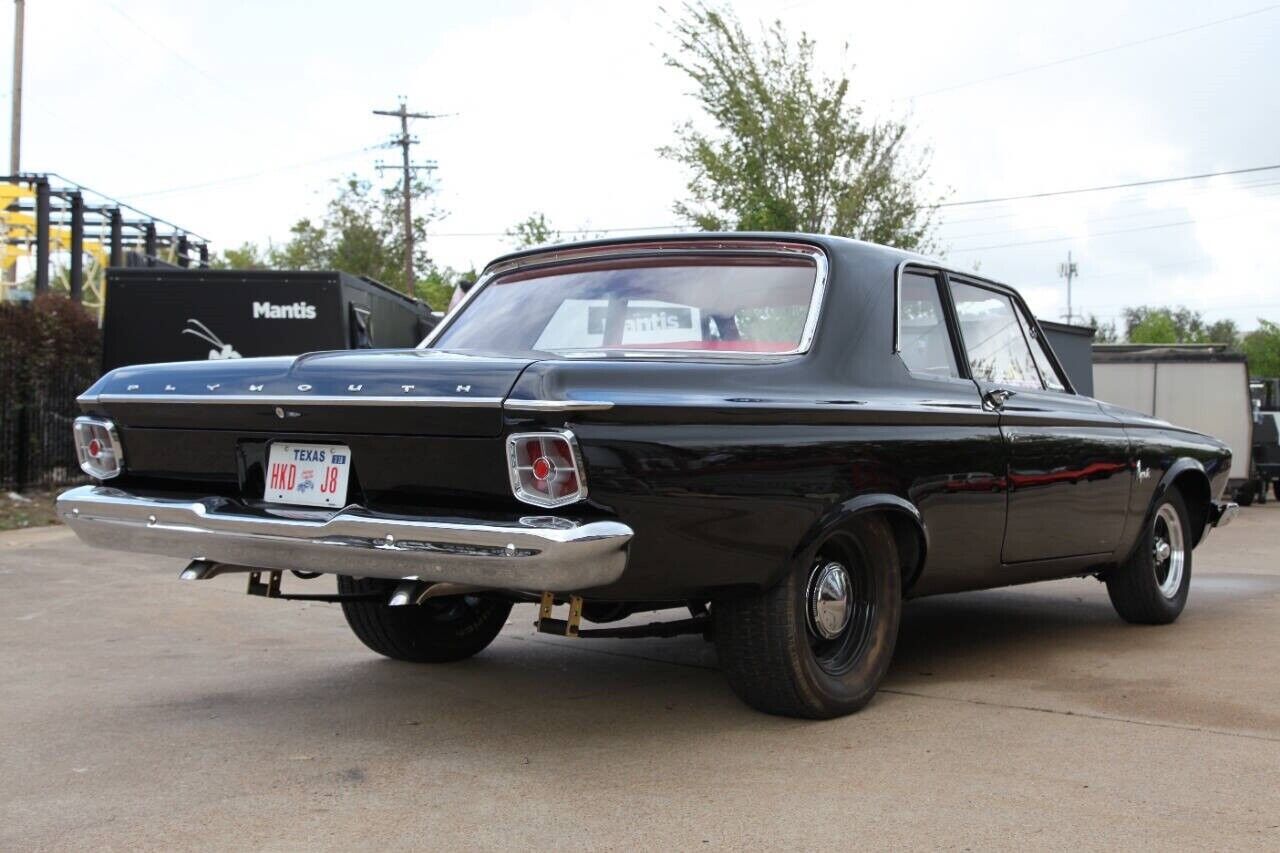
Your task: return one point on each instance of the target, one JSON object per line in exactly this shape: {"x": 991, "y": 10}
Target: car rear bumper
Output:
{"x": 527, "y": 553}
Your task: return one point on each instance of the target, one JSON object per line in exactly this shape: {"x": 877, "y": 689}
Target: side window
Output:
{"x": 922, "y": 327}
{"x": 998, "y": 350}
{"x": 1039, "y": 352}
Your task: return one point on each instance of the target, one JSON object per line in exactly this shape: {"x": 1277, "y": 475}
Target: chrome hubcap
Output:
{"x": 829, "y": 600}
{"x": 1168, "y": 554}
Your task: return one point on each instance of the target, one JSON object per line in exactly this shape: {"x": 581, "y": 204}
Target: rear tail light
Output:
{"x": 546, "y": 469}
{"x": 98, "y": 447}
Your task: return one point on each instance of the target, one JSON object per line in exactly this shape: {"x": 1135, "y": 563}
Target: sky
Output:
{"x": 233, "y": 118}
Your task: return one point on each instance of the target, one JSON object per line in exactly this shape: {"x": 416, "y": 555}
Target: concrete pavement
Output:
{"x": 140, "y": 712}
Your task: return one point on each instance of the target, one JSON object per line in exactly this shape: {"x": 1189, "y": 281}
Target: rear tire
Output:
{"x": 439, "y": 630}
{"x": 794, "y": 650}
{"x": 1151, "y": 587}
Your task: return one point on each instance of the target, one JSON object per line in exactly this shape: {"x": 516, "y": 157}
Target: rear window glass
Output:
{"x": 713, "y": 304}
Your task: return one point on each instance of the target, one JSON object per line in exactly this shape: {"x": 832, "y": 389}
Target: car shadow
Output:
{"x": 529, "y": 688}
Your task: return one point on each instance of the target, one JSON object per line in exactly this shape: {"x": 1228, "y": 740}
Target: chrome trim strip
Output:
{"x": 296, "y": 400}
{"x": 557, "y": 405}
{"x": 510, "y": 554}
{"x": 727, "y": 246}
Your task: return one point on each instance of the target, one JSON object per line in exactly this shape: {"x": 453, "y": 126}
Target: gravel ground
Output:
{"x": 144, "y": 713}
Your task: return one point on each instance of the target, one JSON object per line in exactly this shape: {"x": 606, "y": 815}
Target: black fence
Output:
{"x": 49, "y": 353}
{"x": 36, "y": 445}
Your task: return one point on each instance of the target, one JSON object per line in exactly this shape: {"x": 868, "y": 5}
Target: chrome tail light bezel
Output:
{"x": 89, "y": 429}
{"x": 516, "y": 471}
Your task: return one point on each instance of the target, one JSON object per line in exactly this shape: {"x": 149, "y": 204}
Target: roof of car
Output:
{"x": 832, "y": 244}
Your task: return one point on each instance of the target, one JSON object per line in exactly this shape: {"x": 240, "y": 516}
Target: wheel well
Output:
{"x": 1194, "y": 488}
{"x": 911, "y": 545}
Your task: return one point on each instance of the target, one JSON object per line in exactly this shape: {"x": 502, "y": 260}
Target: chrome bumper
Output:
{"x": 535, "y": 553}
{"x": 1222, "y": 513}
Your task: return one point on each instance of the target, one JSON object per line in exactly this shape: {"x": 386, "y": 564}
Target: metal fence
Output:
{"x": 36, "y": 447}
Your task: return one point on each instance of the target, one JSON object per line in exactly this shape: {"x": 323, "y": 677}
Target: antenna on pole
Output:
{"x": 1068, "y": 271}
{"x": 404, "y": 140}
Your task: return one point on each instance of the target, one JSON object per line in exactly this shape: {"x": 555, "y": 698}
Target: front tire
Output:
{"x": 1151, "y": 587}
{"x": 817, "y": 644}
{"x": 439, "y": 630}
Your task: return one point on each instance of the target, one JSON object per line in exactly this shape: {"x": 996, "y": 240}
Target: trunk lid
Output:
{"x": 416, "y": 392}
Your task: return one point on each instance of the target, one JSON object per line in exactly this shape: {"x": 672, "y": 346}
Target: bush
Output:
{"x": 50, "y": 351}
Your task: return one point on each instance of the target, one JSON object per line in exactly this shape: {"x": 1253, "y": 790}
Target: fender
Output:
{"x": 1180, "y": 466}
{"x": 901, "y": 513}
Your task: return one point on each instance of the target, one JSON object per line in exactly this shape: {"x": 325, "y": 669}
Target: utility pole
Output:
{"x": 15, "y": 128}
{"x": 1068, "y": 271}
{"x": 404, "y": 140}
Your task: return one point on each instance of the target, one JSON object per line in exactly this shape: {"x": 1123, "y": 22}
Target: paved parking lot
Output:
{"x": 142, "y": 712}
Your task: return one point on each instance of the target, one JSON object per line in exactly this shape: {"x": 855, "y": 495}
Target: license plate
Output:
{"x": 307, "y": 474}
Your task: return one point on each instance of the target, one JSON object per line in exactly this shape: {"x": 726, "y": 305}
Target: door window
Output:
{"x": 923, "y": 339}
{"x": 1041, "y": 355}
{"x": 997, "y": 348}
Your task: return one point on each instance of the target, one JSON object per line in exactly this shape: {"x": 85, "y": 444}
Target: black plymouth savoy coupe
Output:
{"x": 787, "y": 435}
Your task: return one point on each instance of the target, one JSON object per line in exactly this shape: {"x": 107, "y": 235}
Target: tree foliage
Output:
{"x": 1104, "y": 332}
{"x": 1262, "y": 349}
{"x": 533, "y": 230}
{"x": 1165, "y": 325}
{"x": 790, "y": 150}
{"x": 360, "y": 232}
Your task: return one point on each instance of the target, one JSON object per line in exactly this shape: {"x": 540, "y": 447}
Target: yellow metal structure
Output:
{"x": 21, "y": 226}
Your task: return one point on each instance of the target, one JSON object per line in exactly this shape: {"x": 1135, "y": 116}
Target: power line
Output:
{"x": 177, "y": 54}
{"x": 1088, "y": 54}
{"x": 1077, "y": 191}
{"x": 951, "y": 204}
{"x": 684, "y": 226}
{"x": 217, "y": 182}
{"x": 1177, "y": 224}
{"x": 1093, "y": 219}
{"x": 1133, "y": 197}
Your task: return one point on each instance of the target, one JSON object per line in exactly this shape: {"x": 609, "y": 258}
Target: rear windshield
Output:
{"x": 691, "y": 304}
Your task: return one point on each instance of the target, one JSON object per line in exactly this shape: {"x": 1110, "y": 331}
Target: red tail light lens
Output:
{"x": 545, "y": 468}
{"x": 98, "y": 447}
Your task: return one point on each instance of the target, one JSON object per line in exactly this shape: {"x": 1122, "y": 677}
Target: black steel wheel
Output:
{"x": 818, "y": 644}
{"x": 439, "y": 630}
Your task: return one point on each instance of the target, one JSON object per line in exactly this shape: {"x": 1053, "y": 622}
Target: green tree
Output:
{"x": 533, "y": 230}
{"x": 1180, "y": 325}
{"x": 362, "y": 232}
{"x": 790, "y": 150}
{"x": 1223, "y": 332}
{"x": 1262, "y": 349}
{"x": 437, "y": 286}
{"x": 247, "y": 257}
{"x": 1104, "y": 333}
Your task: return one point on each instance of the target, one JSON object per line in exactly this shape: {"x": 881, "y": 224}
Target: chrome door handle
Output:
{"x": 994, "y": 400}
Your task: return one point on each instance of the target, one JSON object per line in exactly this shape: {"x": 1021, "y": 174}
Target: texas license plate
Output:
{"x": 307, "y": 474}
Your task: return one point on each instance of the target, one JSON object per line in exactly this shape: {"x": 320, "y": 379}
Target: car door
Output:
{"x": 1068, "y": 463}
{"x": 956, "y": 459}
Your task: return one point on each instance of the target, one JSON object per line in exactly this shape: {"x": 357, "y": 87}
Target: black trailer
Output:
{"x": 154, "y": 314}
{"x": 1074, "y": 347}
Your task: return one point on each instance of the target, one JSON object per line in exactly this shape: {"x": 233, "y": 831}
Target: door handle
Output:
{"x": 994, "y": 400}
